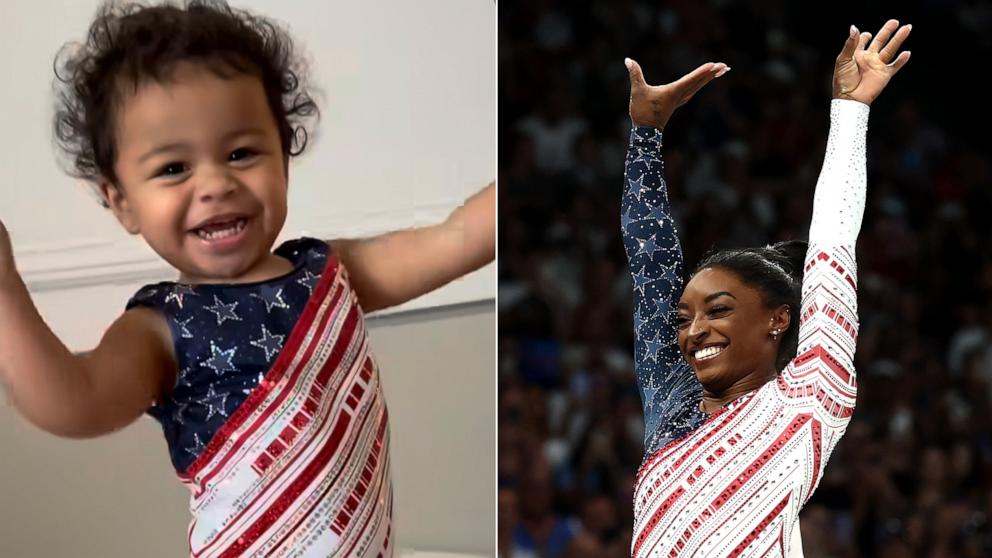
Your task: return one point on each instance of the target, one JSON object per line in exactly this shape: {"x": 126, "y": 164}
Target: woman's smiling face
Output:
{"x": 724, "y": 329}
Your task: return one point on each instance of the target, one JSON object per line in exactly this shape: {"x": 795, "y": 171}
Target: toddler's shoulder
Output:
{"x": 156, "y": 295}
{"x": 306, "y": 252}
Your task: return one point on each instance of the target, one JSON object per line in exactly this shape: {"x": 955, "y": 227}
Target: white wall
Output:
{"x": 407, "y": 94}
{"x": 408, "y": 131}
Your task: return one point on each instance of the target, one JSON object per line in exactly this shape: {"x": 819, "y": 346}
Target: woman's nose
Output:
{"x": 696, "y": 329}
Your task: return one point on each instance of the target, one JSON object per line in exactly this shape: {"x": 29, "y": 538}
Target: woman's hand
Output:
{"x": 862, "y": 73}
{"x": 653, "y": 105}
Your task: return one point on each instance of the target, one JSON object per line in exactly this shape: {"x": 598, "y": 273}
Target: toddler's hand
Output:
{"x": 6, "y": 255}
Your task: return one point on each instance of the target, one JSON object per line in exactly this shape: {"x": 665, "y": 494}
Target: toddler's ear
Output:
{"x": 119, "y": 204}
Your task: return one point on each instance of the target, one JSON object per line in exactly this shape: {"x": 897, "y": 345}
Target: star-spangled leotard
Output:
{"x": 277, "y": 421}
{"x": 225, "y": 339}
{"x": 732, "y": 483}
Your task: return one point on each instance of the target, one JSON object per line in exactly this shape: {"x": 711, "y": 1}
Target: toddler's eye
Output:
{"x": 242, "y": 153}
{"x": 171, "y": 169}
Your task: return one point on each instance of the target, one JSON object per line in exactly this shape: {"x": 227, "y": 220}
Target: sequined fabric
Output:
{"x": 670, "y": 393}
{"x": 298, "y": 465}
{"x": 734, "y": 483}
{"x": 225, "y": 338}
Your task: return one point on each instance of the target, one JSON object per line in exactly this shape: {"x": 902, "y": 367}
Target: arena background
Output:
{"x": 913, "y": 475}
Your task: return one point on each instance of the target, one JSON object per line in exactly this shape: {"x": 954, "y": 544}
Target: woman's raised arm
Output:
{"x": 824, "y": 366}
{"x": 667, "y": 384}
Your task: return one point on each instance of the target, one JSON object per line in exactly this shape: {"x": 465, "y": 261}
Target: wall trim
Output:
{"x": 91, "y": 262}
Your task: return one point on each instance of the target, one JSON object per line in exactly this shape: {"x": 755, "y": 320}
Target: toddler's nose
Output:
{"x": 215, "y": 185}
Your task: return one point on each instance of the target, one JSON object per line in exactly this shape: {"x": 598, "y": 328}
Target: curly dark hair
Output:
{"x": 129, "y": 43}
{"x": 776, "y": 271}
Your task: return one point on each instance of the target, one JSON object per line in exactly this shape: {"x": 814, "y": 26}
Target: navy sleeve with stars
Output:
{"x": 670, "y": 393}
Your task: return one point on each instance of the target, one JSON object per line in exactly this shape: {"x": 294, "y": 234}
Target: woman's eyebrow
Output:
{"x": 717, "y": 295}
{"x": 709, "y": 298}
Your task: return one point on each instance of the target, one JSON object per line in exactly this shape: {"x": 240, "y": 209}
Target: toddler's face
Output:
{"x": 202, "y": 170}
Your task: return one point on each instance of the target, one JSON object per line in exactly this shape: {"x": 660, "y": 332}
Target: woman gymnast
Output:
{"x": 746, "y": 374}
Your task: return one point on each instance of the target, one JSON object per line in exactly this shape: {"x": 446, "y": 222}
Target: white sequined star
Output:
{"x": 640, "y": 280}
{"x": 638, "y": 187}
{"x": 639, "y": 321}
{"x": 183, "y": 330}
{"x": 647, "y": 246}
{"x": 653, "y": 346}
{"x": 642, "y": 159}
{"x": 657, "y": 214}
{"x": 650, "y": 389}
{"x": 220, "y": 361}
{"x": 178, "y": 292}
{"x": 197, "y": 445}
{"x": 269, "y": 343}
{"x": 309, "y": 280}
{"x": 626, "y": 220}
{"x": 272, "y": 297}
{"x": 223, "y": 311}
{"x": 212, "y": 409}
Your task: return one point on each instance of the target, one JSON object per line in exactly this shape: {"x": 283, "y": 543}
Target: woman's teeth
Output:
{"x": 707, "y": 353}
{"x": 231, "y": 230}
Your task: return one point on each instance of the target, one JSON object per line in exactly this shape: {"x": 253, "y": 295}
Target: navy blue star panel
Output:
{"x": 670, "y": 392}
{"x": 226, "y": 339}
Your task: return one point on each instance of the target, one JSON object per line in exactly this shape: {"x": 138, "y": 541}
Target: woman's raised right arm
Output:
{"x": 652, "y": 246}
{"x": 84, "y": 395}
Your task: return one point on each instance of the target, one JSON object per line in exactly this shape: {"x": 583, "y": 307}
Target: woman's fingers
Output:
{"x": 695, "y": 87}
{"x": 889, "y": 51}
{"x": 850, "y": 45}
{"x": 701, "y": 73}
{"x": 863, "y": 40}
{"x": 636, "y": 77}
{"x": 884, "y": 34}
{"x": 696, "y": 79}
{"x": 900, "y": 62}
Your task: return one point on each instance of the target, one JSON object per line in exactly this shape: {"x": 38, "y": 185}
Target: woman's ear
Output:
{"x": 781, "y": 318}
{"x": 118, "y": 203}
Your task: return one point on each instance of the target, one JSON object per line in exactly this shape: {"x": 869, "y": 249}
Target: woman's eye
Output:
{"x": 682, "y": 322}
{"x": 242, "y": 153}
{"x": 716, "y": 310}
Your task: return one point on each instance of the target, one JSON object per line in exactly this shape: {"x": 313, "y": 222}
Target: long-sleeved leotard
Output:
{"x": 732, "y": 484}
{"x": 670, "y": 393}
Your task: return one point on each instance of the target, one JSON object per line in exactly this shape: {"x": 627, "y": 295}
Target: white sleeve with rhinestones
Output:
{"x": 822, "y": 374}
{"x": 839, "y": 202}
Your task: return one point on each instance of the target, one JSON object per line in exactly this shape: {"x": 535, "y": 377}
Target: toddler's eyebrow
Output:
{"x": 244, "y": 132}
{"x": 180, "y": 145}
{"x": 160, "y": 149}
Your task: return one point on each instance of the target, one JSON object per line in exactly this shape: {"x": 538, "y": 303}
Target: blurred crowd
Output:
{"x": 913, "y": 475}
